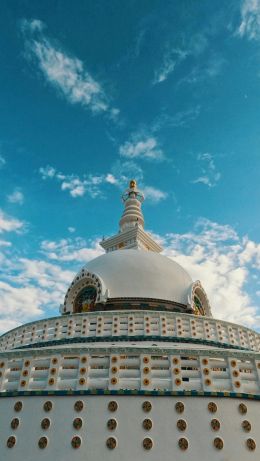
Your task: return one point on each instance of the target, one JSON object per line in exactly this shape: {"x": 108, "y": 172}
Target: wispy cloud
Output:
{"x": 93, "y": 185}
{"x": 65, "y": 72}
{"x": 123, "y": 170}
{"x": 171, "y": 59}
{"x": 9, "y": 224}
{"x": 173, "y": 56}
{"x": 180, "y": 119}
{"x": 250, "y": 20}
{"x": 16, "y": 197}
{"x": 153, "y": 194}
{"x": 76, "y": 249}
{"x": 209, "y": 70}
{"x": 2, "y": 161}
{"x": 143, "y": 147}
{"x": 209, "y": 173}
{"x": 75, "y": 185}
{"x": 71, "y": 229}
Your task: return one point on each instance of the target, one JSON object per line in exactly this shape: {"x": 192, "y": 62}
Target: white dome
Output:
{"x": 141, "y": 274}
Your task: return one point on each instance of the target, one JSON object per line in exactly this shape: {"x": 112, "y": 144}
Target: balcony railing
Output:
{"x": 136, "y": 369}
{"x": 131, "y": 324}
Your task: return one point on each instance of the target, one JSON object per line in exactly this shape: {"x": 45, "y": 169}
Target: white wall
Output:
{"x": 129, "y": 432}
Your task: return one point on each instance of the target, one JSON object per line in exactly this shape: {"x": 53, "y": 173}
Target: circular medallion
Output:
{"x": 43, "y": 442}
{"x": 215, "y": 424}
{"x": 75, "y": 442}
{"x": 18, "y": 406}
{"x": 45, "y": 424}
{"x": 112, "y": 406}
{"x": 183, "y": 443}
{"x": 15, "y": 423}
{"x": 147, "y": 443}
{"x": 47, "y": 406}
{"x": 181, "y": 424}
{"x": 111, "y": 424}
{"x": 11, "y": 441}
{"x": 147, "y": 424}
{"x": 251, "y": 445}
{"x": 77, "y": 423}
{"x": 78, "y": 406}
{"x": 212, "y": 407}
{"x": 111, "y": 443}
{"x": 147, "y": 406}
{"x": 218, "y": 443}
{"x": 179, "y": 407}
{"x": 242, "y": 408}
{"x": 246, "y": 426}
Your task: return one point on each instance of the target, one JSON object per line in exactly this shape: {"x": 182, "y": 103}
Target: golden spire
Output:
{"x": 132, "y": 184}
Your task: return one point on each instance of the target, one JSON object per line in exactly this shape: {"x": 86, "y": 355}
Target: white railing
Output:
{"x": 138, "y": 369}
{"x": 131, "y": 324}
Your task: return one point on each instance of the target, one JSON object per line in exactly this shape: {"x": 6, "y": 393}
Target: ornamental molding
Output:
{"x": 197, "y": 288}
{"x": 80, "y": 281}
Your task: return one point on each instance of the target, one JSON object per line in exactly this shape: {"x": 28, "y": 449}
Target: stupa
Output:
{"x": 134, "y": 368}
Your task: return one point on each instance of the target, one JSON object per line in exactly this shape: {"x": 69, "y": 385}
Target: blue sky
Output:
{"x": 94, "y": 93}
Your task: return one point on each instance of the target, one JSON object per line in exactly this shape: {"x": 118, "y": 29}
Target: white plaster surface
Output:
{"x": 137, "y": 273}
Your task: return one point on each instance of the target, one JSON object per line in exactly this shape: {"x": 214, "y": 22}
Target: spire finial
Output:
{"x": 132, "y": 192}
{"x": 132, "y": 184}
{"x": 131, "y": 234}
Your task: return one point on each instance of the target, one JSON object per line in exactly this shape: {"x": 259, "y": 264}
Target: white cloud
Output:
{"x": 9, "y": 224}
{"x": 250, "y": 20}
{"x": 2, "y": 161}
{"x": 209, "y": 173}
{"x": 93, "y": 184}
{"x": 64, "y": 72}
{"x": 153, "y": 194}
{"x": 122, "y": 171}
{"x": 47, "y": 172}
{"x": 179, "y": 119}
{"x": 143, "y": 147}
{"x": 28, "y": 288}
{"x": 4, "y": 243}
{"x": 170, "y": 60}
{"x": 16, "y": 197}
{"x": 214, "y": 253}
{"x": 210, "y": 70}
{"x": 67, "y": 250}
{"x": 71, "y": 229}
{"x": 222, "y": 261}
{"x": 76, "y": 186}
{"x": 110, "y": 178}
